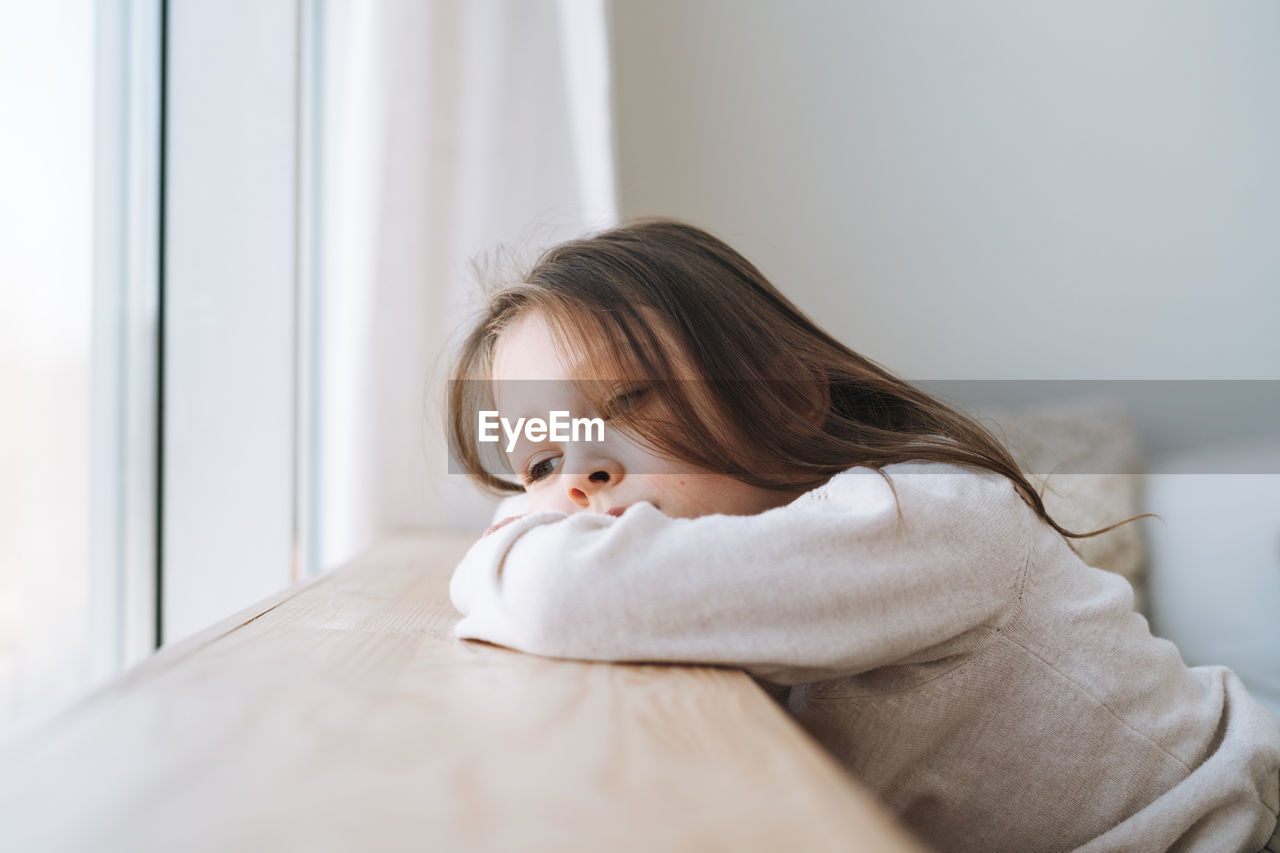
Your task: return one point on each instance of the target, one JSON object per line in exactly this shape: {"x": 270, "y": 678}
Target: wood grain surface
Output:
{"x": 343, "y": 715}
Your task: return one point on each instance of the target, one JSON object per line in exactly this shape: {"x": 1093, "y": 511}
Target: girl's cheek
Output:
{"x": 550, "y": 498}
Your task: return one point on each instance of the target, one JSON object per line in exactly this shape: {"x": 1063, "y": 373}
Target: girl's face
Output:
{"x": 531, "y": 379}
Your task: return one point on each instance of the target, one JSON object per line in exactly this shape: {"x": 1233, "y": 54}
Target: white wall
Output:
{"x": 979, "y": 190}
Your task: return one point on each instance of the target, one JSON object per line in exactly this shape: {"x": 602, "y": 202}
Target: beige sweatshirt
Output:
{"x": 963, "y": 662}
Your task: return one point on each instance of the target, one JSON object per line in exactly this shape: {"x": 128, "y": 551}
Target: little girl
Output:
{"x": 763, "y": 497}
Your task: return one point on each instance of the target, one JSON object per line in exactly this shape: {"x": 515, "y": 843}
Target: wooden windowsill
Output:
{"x": 343, "y": 715}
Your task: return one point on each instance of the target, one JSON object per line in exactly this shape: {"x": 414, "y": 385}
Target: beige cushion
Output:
{"x": 1084, "y": 459}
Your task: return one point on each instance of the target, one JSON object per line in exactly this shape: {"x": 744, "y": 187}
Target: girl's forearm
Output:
{"x": 818, "y": 589}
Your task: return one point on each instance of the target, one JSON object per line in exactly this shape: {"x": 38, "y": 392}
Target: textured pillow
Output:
{"x": 1083, "y": 458}
{"x": 1215, "y": 561}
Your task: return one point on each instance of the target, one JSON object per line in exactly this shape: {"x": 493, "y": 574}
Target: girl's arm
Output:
{"x": 830, "y": 585}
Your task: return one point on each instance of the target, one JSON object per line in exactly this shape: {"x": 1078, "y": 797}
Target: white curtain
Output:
{"x": 446, "y": 129}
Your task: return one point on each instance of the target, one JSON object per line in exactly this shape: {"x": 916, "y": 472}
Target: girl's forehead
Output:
{"x": 528, "y": 349}
{"x": 530, "y": 373}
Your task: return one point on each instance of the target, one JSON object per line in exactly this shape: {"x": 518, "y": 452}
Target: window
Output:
{"x": 78, "y": 319}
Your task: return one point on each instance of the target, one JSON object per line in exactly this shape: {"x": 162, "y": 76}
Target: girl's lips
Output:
{"x": 616, "y": 511}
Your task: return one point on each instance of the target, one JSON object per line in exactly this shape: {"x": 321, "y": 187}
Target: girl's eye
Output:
{"x": 542, "y": 468}
{"x": 624, "y": 403}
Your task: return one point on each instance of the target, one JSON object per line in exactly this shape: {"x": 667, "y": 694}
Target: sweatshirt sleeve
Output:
{"x": 833, "y": 584}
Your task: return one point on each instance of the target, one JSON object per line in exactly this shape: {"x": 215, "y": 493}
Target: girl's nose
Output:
{"x": 591, "y": 479}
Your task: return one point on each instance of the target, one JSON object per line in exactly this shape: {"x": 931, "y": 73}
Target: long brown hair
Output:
{"x": 656, "y": 294}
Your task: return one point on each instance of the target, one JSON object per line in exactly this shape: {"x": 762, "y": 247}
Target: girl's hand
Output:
{"x": 501, "y": 524}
